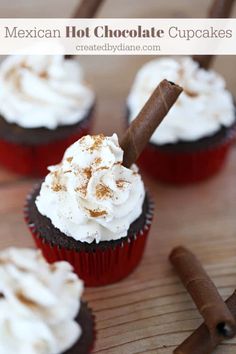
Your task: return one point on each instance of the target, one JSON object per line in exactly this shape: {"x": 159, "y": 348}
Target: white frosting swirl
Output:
{"x": 90, "y": 195}
{"x": 200, "y": 111}
{"x": 43, "y": 91}
{"x": 38, "y": 304}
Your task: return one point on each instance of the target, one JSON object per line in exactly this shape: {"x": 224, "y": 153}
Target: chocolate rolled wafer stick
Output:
{"x": 200, "y": 341}
{"x": 87, "y": 8}
{"x": 141, "y": 129}
{"x": 218, "y": 9}
{"x": 218, "y": 318}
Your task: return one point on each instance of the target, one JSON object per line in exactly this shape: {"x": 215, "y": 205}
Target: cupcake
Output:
{"x": 45, "y": 106}
{"x": 192, "y": 143}
{"x": 41, "y": 311}
{"x": 92, "y": 209}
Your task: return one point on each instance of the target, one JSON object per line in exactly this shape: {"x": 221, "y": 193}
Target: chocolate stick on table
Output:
{"x": 200, "y": 341}
{"x": 141, "y": 129}
{"x": 218, "y": 318}
{"x": 218, "y": 9}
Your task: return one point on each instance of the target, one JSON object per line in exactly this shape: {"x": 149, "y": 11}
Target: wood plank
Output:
{"x": 149, "y": 312}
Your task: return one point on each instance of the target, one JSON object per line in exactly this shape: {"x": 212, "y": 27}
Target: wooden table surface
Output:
{"x": 149, "y": 312}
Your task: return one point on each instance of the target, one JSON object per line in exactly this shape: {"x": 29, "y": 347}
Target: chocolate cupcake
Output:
{"x": 92, "y": 209}
{"x": 45, "y": 106}
{"x": 41, "y": 311}
{"x": 193, "y": 141}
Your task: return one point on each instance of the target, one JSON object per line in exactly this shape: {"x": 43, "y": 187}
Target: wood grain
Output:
{"x": 149, "y": 312}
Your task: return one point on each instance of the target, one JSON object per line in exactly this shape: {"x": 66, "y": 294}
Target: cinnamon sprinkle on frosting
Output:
{"x": 98, "y": 160}
{"x": 57, "y": 187}
{"x": 43, "y": 75}
{"x": 25, "y": 300}
{"x": 102, "y": 168}
{"x": 103, "y": 192}
{"x": 96, "y": 213}
{"x": 82, "y": 190}
{"x": 88, "y": 172}
{"x": 121, "y": 182}
{"x": 98, "y": 140}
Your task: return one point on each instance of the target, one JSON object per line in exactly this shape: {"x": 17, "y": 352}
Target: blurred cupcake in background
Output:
{"x": 45, "y": 105}
{"x": 193, "y": 141}
{"x": 40, "y": 307}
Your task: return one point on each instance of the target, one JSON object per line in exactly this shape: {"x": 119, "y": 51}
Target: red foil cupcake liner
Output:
{"x": 32, "y": 160}
{"x": 184, "y": 167}
{"x": 102, "y": 266}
